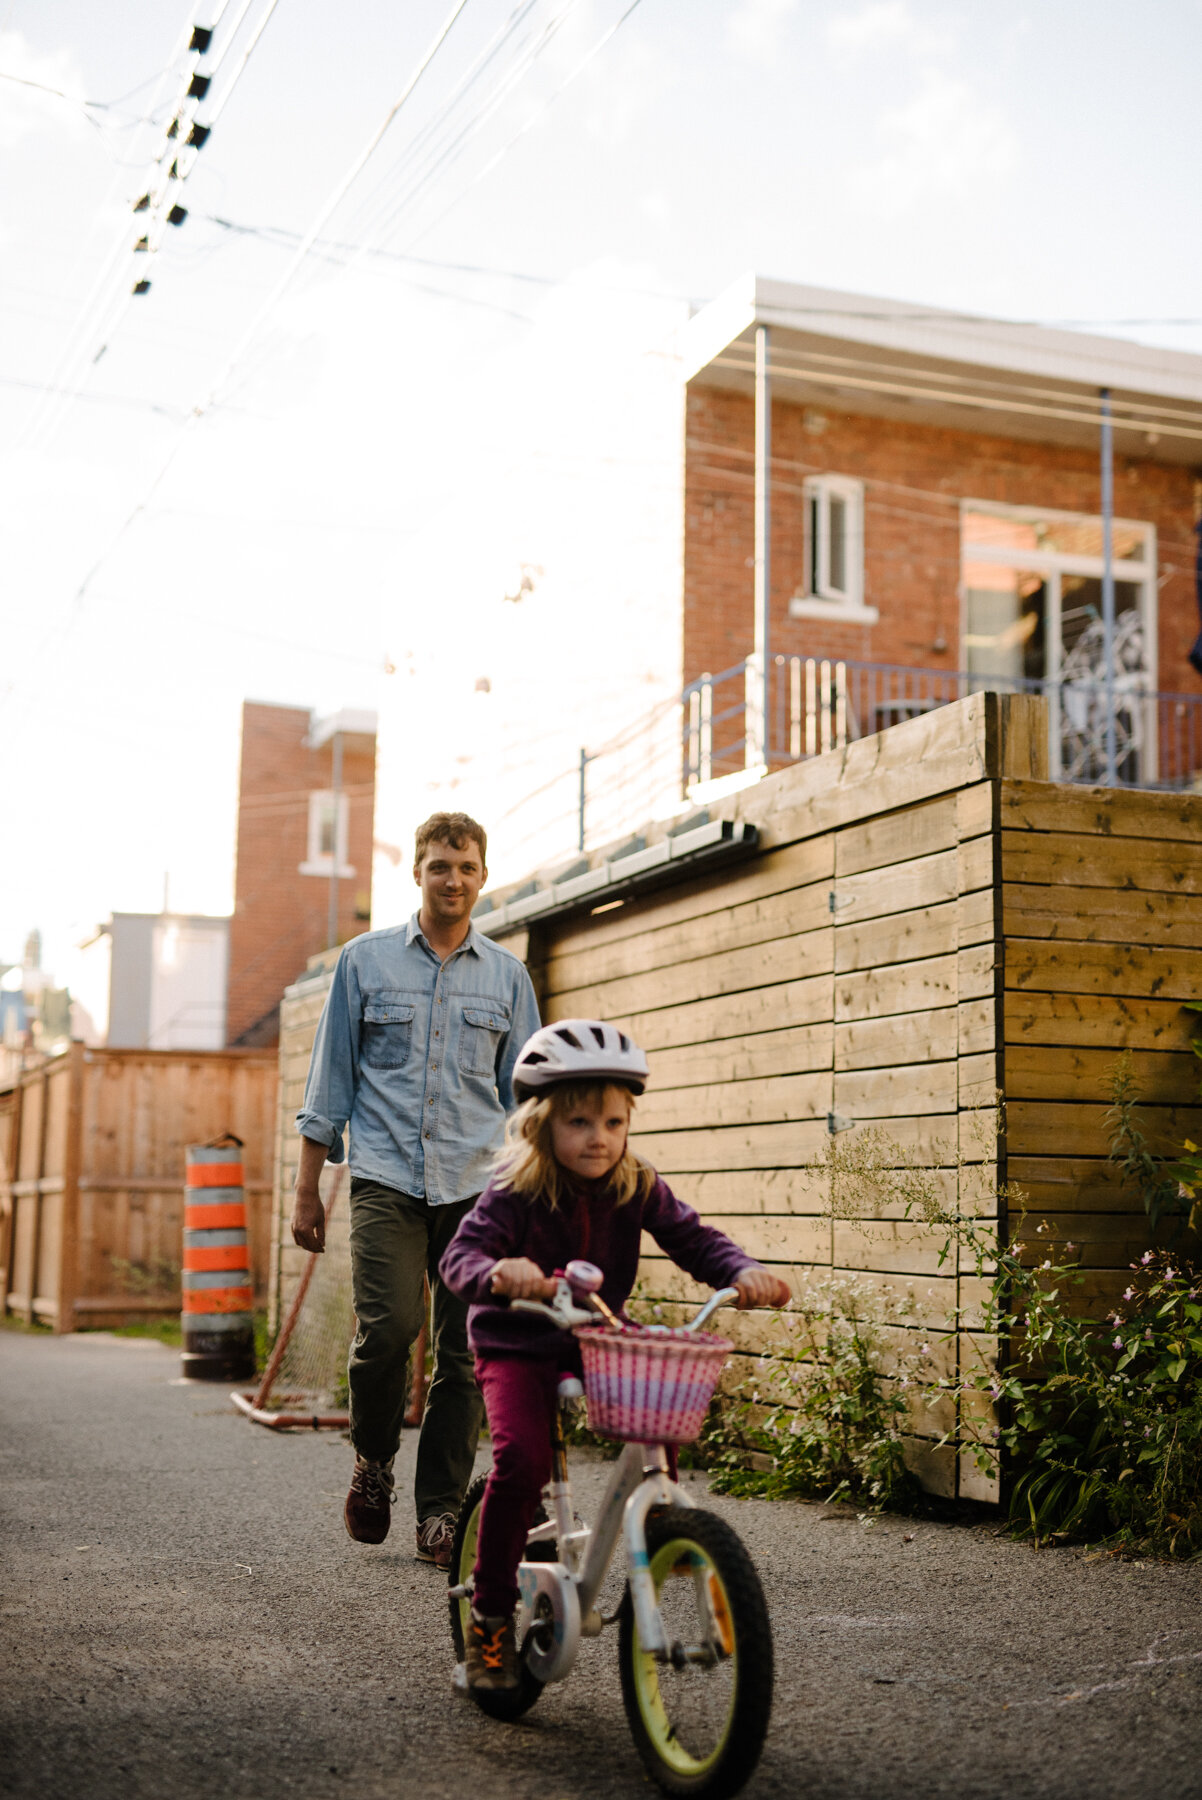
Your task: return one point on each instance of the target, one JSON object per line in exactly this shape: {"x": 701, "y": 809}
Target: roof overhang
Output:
{"x": 853, "y": 353}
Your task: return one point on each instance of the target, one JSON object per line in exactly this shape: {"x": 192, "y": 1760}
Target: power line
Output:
{"x": 533, "y": 120}
{"x": 273, "y": 299}
{"x": 200, "y": 54}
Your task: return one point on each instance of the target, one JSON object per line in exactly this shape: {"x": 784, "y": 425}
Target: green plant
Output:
{"x": 1169, "y": 1190}
{"x": 835, "y": 1428}
{"x": 167, "y": 1331}
{"x": 1101, "y": 1420}
{"x": 142, "y": 1278}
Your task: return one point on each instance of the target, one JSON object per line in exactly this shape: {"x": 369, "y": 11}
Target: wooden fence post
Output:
{"x": 68, "y": 1270}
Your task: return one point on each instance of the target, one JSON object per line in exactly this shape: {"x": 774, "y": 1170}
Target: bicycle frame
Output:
{"x": 564, "y": 1594}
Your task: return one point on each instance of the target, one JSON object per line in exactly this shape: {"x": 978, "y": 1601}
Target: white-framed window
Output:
{"x": 833, "y": 583}
{"x": 329, "y": 819}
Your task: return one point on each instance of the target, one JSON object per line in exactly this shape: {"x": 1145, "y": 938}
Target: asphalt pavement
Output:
{"x": 183, "y": 1617}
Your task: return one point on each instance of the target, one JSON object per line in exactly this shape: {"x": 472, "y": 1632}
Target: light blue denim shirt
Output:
{"x": 417, "y": 1055}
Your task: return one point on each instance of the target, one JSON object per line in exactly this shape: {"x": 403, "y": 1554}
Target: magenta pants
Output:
{"x": 519, "y": 1397}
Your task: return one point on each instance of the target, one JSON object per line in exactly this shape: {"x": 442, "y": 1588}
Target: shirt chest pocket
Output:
{"x": 386, "y": 1033}
{"x": 480, "y": 1037}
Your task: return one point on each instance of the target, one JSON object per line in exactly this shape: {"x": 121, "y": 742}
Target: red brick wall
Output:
{"x": 914, "y": 478}
{"x": 281, "y": 916}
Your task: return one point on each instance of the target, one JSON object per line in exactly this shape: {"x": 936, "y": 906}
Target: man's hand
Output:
{"x": 760, "y": 1287}
{"x": 308, "y": 1213}
{"x": 517, "y": 1278}
{"x": 308, "y": 1220}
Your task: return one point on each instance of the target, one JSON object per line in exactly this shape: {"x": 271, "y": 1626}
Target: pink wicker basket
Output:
{"x": 650, "y": 1387}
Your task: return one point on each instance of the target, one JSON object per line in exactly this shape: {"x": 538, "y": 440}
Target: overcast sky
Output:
{"x": 399, "y": 436}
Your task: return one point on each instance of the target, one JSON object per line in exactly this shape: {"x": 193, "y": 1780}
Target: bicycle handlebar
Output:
{"x": 564, "y": 1313}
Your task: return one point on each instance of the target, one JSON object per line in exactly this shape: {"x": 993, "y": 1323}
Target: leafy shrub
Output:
{"x": 1102, "y": 1418}
{"x": 835, "y": 1430}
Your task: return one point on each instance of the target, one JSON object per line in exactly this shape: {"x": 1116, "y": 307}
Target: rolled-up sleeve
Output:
{"x": 333, "y": 1067}
{"x": 524, "y": 1024}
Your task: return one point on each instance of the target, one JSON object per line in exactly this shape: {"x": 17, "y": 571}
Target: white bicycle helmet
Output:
{"x": 578, "y": 1050}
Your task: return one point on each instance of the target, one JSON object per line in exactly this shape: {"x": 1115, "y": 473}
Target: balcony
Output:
{"x": 815, "y": 705}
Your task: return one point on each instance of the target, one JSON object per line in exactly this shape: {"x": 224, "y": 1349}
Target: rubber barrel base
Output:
{"x": 218, "y": 1356}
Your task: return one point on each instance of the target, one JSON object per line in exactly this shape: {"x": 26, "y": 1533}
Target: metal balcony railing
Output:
{"x": 819, "y": 704}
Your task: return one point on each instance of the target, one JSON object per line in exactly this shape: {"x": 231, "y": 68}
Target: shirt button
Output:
{"x": 431, "y": 1102}
{"x": 426, "y": 1135}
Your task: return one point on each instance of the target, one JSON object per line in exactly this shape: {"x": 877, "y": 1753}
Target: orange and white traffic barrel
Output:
{"x": 218, "y": 1293}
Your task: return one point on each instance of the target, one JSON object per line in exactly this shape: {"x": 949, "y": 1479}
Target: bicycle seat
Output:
{"x": 569, "y": 1388}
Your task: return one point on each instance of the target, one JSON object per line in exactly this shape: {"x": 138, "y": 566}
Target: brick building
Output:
{"x": 930, "y": 517}
{"x": 303, "y": 879}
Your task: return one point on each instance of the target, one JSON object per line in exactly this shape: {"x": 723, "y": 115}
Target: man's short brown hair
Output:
{"x": 453, "y": 828}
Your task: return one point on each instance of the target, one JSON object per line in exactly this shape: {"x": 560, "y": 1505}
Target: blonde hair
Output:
{"x": 527, "y": 1162}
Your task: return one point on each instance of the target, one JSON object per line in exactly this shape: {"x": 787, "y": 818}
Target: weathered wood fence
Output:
{"x": 92, "y": 1170}
{"x": 928, "y": 923}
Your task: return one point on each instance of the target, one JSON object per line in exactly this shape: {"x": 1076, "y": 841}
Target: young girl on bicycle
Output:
{"x": 565, "y": 1186}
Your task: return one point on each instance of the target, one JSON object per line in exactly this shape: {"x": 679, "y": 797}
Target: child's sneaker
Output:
{"x": 368, "y": 1510}
{"x": 492, "y": 1653}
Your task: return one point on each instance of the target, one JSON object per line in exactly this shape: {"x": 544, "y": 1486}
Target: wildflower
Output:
{"x": 1147, "y": 1431}
{"x": 1118, "y": 1343}
{"x": 1145, "y": 1258}
{"x": 1170, "y": 1275}
{"x": 1128, "y": 1293}
{"x": 1070, "y": 1247}
{"x": 1042, "y": 1226}
{"x": 924, "y": 1349}
{"x": 1148, "y": 1333}
{"x": 1045, "y": 1264}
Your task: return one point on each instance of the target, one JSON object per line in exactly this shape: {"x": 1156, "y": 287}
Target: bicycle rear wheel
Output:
{"x": 699, "y": 1720}
{"x": 498, "y": 1703}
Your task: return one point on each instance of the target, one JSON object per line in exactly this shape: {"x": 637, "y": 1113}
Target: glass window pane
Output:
{"x": 1056, "y": 537}
{"x": 1007, "y": 618}
{"x": 837, "y": 550}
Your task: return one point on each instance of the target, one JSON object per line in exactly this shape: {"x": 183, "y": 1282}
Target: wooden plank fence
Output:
{"x": 929, "y": 923}
{"x": 92, "y": 1171}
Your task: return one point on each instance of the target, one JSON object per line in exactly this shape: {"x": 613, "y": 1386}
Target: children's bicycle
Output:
{"x": 694, "y": 1642}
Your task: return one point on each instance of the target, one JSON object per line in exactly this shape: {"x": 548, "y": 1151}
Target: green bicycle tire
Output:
{"x": 498, "y": 1703}
{"x": 699, "y": 1731}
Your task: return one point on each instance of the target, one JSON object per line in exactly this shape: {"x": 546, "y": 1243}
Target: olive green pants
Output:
{"x": 395, "y": 1241}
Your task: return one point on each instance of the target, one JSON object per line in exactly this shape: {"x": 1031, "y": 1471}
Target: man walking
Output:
{"x": 415, "y": 1049}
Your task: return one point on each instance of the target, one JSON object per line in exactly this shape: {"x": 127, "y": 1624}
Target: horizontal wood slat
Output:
{"x": 1105, "y": 1020}
{"x": 1102, "y": 915}
{"x": 1134, "y": 969}
{"x": 1061, "y": 858}
{"x": 1045, "y": 806}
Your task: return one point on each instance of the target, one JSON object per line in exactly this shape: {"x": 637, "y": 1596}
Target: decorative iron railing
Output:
{"x": 817, "y": 704}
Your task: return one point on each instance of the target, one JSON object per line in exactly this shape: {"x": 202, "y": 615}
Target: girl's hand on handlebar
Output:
{"x": 517, "y": 1278}
{"x": 760, "y": 1287}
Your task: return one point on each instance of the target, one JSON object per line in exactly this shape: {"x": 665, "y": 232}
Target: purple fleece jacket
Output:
{"x": 587, "y": 1224}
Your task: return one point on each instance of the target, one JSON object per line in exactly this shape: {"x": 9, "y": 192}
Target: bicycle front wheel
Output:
{"x": 699, "y": 1719}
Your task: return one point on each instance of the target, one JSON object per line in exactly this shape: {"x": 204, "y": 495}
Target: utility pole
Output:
{"x": 1108, "y": 584}
{"x": 756, "y": 708}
